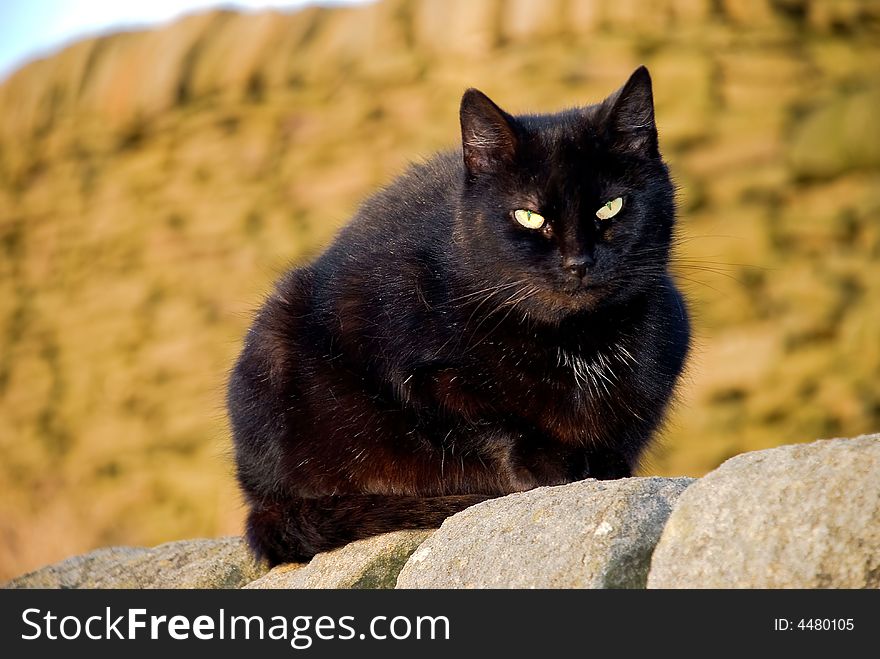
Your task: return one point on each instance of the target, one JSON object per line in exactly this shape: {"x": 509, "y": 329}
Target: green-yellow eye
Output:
{"x": 610, "y": 209}
{"x": 529, "y": 219}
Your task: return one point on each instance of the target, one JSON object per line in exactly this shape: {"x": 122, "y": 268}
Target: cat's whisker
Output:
{"x": 678, "y": 262}
{"x": 521, "y": 295}
{"x": 496, "y": 308}
{"x": 625, "y": 354}
{"x": 698, "y": 268}
{"x": 482, "y": 302}
{"x": 492, "y": 289}
{"x": 641, "y": 276}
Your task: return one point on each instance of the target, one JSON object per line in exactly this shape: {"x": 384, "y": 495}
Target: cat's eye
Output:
{"x": 529, "y": 219}
{"x": 610, "y": 209}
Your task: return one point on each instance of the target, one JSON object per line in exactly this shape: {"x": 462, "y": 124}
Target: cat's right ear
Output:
{"x": 488, "y": 137}
{"x": 631, "y": 114}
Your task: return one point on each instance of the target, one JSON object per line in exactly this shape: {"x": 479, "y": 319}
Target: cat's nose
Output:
{"x": 577, "y": 265}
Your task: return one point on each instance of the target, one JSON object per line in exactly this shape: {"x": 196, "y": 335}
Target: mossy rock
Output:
{"x": 840, "y": 136}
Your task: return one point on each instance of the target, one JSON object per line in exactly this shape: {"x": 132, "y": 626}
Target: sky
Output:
{"x": 33, "y": 28}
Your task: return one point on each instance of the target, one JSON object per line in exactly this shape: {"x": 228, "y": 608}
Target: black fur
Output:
{"x": 439, "y": 353}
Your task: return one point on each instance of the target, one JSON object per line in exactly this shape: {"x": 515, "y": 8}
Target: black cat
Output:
{"x": 498, "y": 318}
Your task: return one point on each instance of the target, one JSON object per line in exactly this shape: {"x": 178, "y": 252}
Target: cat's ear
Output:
{"x": 630, "y": 118}
{"x": 488, "y": 137}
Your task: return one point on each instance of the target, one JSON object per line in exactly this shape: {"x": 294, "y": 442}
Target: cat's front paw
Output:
{"x": 607, "y": 466}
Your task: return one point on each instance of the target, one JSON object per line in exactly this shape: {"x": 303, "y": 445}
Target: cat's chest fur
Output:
{"x": 565, "y": 390}
{"x": 595, "y": 373}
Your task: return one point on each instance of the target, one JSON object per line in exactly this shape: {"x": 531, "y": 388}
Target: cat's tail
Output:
{"x": 297, "y": 529}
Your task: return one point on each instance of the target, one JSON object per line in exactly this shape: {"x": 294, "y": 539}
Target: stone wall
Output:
{"x": 128, "y": 77}
{"x": 801, "y": 516}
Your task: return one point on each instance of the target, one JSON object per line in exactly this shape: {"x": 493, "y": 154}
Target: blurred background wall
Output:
{"x": 154, "y": 183}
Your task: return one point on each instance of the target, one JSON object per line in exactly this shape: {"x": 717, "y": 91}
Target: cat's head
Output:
{"x": 573, "y": 210}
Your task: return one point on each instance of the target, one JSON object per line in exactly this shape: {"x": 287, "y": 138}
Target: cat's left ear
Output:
{"x": 488, "y": 136}
{"x": 630, "y": 117}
